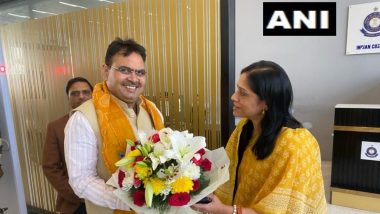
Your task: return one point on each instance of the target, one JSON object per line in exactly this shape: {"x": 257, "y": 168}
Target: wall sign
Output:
{"x": 299, "y": 18}
{"x": 363, "y": 32}
{"x": 370, "y": 151}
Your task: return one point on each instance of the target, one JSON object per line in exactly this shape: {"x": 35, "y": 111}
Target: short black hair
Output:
{"x": 126, "y": 47}
{"x": 74, "y": 80}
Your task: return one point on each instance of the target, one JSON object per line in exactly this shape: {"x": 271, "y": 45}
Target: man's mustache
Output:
{"x": 130, "y": 83}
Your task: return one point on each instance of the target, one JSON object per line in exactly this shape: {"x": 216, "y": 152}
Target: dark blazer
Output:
{"x": 54, "y": 166}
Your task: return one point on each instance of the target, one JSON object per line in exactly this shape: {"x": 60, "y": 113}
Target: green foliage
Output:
{"x": 203, "y": 181}
{"x": 160, "y": 203}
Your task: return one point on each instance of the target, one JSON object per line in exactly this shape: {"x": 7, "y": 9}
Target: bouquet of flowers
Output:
{"x": 167, "y": 171}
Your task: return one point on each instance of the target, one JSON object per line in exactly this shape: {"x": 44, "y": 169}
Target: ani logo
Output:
{"x": 371, "y": 24}
{"x": 371, "y": 152}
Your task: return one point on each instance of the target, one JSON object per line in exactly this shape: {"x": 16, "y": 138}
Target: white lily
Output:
{"x": 165, "y": 137}
{"x": 184, "y": 147}
{"x": 186, "y": 134}
{"x": 160, "y": 154}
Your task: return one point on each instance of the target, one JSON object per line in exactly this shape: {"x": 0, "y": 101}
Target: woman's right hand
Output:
{"x": 215, "y": 206}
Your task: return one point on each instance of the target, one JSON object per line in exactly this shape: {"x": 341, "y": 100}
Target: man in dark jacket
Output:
{"x": 78, "y": 90}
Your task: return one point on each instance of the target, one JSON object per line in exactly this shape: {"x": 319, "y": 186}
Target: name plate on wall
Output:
{"x": 363, "y": 29}
{"x": 370, "y": 151}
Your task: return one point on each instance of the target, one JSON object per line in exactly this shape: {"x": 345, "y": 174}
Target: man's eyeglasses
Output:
{"x": 128, "y": 71}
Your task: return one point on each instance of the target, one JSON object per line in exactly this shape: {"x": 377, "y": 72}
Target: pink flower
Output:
{"x": 179, "y": 199}
{"x": 120, "y": 178}
{"x": 139, "y": 197}
{"x": 206, "y": 165}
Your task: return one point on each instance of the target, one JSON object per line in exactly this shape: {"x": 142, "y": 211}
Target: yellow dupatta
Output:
{"x": 114, "y": 125}
{"x": 288, "y": 181}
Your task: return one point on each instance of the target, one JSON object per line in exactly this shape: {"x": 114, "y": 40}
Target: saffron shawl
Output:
{"x": 114, "y": 125}
{"x": 288, "y": 181}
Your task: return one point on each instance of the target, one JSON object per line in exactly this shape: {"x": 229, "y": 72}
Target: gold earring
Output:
{"x": 263, "y": 112}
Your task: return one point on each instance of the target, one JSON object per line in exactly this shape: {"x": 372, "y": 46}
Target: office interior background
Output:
{"x": 196, "y": 50}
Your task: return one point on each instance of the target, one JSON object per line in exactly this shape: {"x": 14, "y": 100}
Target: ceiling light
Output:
{"x": 107, "y": 1}
{"x": 20, "y": 16}
{"x": 44, "y": 12}
{"x": 72, "y": 5}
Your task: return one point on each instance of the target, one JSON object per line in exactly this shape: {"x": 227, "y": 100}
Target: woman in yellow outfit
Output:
{"x": 275, "y": 163}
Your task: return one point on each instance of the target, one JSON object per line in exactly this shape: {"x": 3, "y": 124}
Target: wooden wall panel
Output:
{"x": 182, "y": 38}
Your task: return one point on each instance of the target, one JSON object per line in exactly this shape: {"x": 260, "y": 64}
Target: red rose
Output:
{"x": 139, "y": 198}
{"x": 136, "y": 182}
{"x": 139, "y": 158}
{"x": 197, "y": 159}
{"x": 179, "y": 199}
{"x": 120, "y": 178}
{"x": 196, "y": 185}
{"x": 201, "y": 151}
{"x": 206, "y": 165}
{"x": 155, "y": 138}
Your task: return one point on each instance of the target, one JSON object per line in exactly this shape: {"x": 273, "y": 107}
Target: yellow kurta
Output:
{"x": 288, "y": 181}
